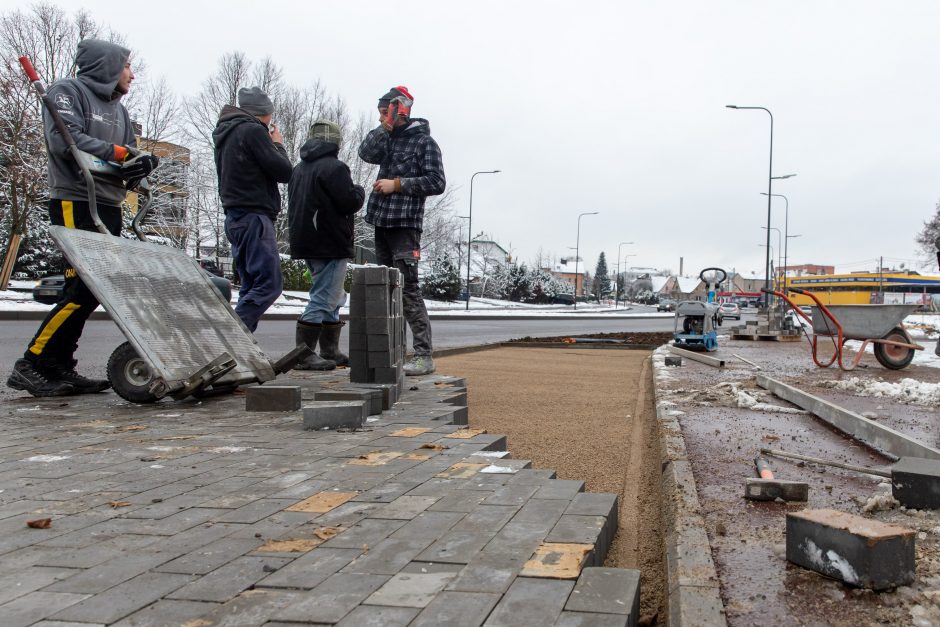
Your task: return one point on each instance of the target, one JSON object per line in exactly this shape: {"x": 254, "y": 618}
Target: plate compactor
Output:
{"x": 699, "y": 319}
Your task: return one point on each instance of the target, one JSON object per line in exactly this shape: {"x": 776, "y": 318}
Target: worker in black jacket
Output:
{"x": 250, "y": 161}
{"x": 322, "y": 200}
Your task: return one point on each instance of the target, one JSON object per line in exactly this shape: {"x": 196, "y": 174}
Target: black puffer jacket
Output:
{"x": 248, "y": 163}
{"x": 321, "y": 202}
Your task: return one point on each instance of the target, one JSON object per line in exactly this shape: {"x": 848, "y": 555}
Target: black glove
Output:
{"x": 139, "y": 166}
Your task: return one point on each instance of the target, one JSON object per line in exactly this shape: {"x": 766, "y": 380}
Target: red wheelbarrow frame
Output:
{"x": 839, "y": 336}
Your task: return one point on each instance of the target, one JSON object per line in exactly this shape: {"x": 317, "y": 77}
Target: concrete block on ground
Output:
{"x": 607, "y": 591}
{"x": 590, "y": 619}
{"x": 531, "y": 602}
{"x": 673, "y": 360}
{"x": 915, "y": 482}
{"x": 373, "y": 398}
{"x": 410, "y": 589}
{"x": 388, "y": 393}
{"x": 335, "y": 414}
{"x": 372, "y": 275}
{"x": 272, "y": 398}
{"x": 859, "y": 551}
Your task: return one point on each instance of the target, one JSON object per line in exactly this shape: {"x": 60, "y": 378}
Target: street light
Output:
{"x": 470, "y": 230}
{"x": 779, "y": 248}
{"x": 786, "y": 224}
{"x": 617, "y": 278}
{"x": 577, "y": 249}
{"x": 770, "y": 180}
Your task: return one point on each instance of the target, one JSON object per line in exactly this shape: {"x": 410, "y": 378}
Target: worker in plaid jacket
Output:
{"x": 410, "y": 170}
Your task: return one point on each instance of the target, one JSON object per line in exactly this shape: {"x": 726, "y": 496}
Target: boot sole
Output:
{"x": 25, "y": 387}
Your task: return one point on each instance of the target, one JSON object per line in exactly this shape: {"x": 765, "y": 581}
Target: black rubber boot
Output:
{"x": 329, "y": 343}
{"x": 66, "y": 372}
{"x": 26, "y": 376}
{"x": 309, "y": 333}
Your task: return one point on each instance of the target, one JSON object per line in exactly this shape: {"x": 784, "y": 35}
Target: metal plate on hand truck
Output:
{"x": 165, "y": 305}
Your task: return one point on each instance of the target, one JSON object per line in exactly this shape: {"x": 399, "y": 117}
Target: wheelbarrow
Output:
{"x": 183, "y": 338}
{"x": 878, "y": 325}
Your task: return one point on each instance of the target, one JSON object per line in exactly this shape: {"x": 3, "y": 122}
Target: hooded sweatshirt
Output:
{"x": 95, "y": 118}
{"x": 249, "y": 165}
{"x": 322, "y": 200}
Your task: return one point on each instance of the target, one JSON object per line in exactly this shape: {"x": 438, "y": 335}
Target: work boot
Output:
{"x": 309, "y": 333}
{"x": 27, "y": 377}
{"x": 419, "y": 365}
{"x": 66, "y": 372}
{"x": 329, "y": 343}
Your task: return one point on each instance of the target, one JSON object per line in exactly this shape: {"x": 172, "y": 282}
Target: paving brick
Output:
{"x": 461, "y": 501}
{"x": 860, "y": 551}
{"x": 121, "y": 600}
{"x": 211, "y": 556}
{"x": 367, "y": 532}
{"x": 487, "y": 518}
{"x": 373, "y": 398}
{"x": 250, "y": 608}
{"x": 457, "y": 609}
{"x": 428, "y": 525}
{"x": 456, "y": 547}
{"x": 587, "y": 619}
{"x": 335, "y": 415}
{"x": 488, "y": 572}
{"x": 916, "y": 482}
{"x": 93, "y": 555}
{"x": 163, "y": 613}
{"x": 378, "y": 616}
{"x": 35, "y": 606}
{"x": 410, "y": 589}
{"x": 100, "y": 578}
{"x": 578, "y": 530}
{"x": 560, "y": 489}
{"x": 311, "y": 569}
{"x": 530, "y": 602}
{"x": 515, "y": 494}
{"x": 607, "y": 591}
{"x": 405, "y": 507}
{"x": 226, "y": 582}
{"x": 593, "y": 504}
{"x": 333, "y": 599}
{"x": 272, "y": 398}
{"x": 389, "y": 556}
{"x": 545, "y": 512}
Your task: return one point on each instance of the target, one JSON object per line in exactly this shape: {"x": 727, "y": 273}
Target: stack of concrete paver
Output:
{"x": 210, "y": 515}
{"x": 376, "y": 327}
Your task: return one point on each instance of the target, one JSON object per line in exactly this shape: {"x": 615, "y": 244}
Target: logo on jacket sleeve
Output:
{"x": 63, "y": 101}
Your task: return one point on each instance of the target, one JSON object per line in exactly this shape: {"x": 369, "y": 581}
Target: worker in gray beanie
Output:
{"x": 250, "y": 160}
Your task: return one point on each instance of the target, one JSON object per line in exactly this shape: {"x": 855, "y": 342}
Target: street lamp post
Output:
{"x": 617, "y": 278}
{"x": 779, "y": 249}
{"x": 786, "y": 224}
{"x": 770, "y": 176}
{"x": 577, "y": 250}
{"x": 470, "y": 230}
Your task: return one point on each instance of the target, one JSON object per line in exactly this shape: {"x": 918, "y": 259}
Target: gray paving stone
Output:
{"x": 513, "y": 494}
{"x": 487, "y": 518}
{"x": 109, "y": 574}
{"x": 367, "y": 532}
{"x": 560, "y": 489}
{"x": 255, "y": 511}
{"x": 586, "y": 619}
{"x": 310, "y": 570}
{"x": 389, "y": 556}
{"x": 530, "y": 602}
{"x": 35, "y": 606}
{"x": 251, "y": 608}
{"x": 95, "y": 554}
{"x": 545, "y": 511}
{"x": 378, "y": 616}
{"x": 607, "y": 591}
{"x": 456, "y": 547}
{"x": 163, "y": 613}
{"x": 577, "y": 529}
{"x": 333, "y": 599}
{"x": 123, "y": 599}
{"x": 428, "y": 525}
{"x": 457, "y": 609}
{"x": 272, "y": 398}
{"x": 461, "y": 501}
{"x": 518, "y": 538}
{"x": 410, "y": 589}
{"x": 335, "y": 415}
{"x": 211, "y": 556}
{"x": 405, "y": 507}
{"x": 593, "y": 504}
{"x": 226, "y": 582}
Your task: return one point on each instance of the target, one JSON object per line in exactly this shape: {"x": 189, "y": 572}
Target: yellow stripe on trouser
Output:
{"x": 57, "y": 321}
{"x": 68, "y": 217}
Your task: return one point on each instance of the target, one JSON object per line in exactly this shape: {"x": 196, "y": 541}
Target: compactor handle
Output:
{"x": 29, "y": 69}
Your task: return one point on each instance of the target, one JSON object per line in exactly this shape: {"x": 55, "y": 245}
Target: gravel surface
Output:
{"x": 588, "y": 414}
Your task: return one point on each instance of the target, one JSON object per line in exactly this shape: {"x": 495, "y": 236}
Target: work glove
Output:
{"x": 139, "y": 166}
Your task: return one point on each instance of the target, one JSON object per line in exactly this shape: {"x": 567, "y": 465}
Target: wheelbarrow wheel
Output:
{"x": 894, "y": 357}
{"x": 130, "y": 375}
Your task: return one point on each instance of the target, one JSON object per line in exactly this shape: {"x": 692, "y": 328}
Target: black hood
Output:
{"x": 229, "y": 118}
{"x": 313, "y": 149}
{"x": 100, "y": 64}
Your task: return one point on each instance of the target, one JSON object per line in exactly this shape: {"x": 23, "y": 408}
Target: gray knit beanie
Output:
{"x": 254, "y": 101}
{"x": 327, "y": 131}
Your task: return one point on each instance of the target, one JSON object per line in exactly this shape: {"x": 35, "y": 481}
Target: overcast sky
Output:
{"x": 619, "y": 107}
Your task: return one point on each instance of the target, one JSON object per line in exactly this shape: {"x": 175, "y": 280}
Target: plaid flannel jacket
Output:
{"x": 412, "y": 156}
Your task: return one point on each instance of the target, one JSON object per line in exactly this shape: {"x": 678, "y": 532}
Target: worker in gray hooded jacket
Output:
{"x": 90, "y": 105}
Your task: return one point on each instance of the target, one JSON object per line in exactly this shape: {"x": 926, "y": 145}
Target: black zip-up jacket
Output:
{"x": 321, "y": 202}
{"x": 249, "y": 165}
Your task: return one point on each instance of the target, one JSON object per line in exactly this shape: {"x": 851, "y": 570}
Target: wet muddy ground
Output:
{"x": 758, "y": 585}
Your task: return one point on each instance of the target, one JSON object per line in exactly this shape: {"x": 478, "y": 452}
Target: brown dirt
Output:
{"x": 637, "y": 338}
{"x": 589, "y": 415}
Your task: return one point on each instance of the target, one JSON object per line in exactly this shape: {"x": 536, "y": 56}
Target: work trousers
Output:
{"x": 401, "y": 249}
{"x": 254, "y": 249}
{"x": 57, "y": 338}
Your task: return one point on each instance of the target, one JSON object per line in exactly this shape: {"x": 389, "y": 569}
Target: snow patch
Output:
{"x": 47, "y": 458}
{"x": 831, "y": 560}
{"x": 497, "y": 454}
{"x": 228, "y": 449}
{"x": 909, "y": 391}
{"x": 880, "y": 503}
{"x": 500, "y": 470}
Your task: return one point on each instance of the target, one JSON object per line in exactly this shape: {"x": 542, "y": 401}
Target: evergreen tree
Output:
{"x": 442, "y": 282}
{"x": 518, "y": 284}
{"x": 601, "y": 280}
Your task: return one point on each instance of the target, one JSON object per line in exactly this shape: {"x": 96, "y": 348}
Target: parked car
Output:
{"x": 666, "y": 304}
{"x": 563, "y": 299}
{"x": 49, "y": 289}
{"x": 730, "y": 310}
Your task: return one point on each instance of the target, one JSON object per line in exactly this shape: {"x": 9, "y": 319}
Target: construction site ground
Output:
{"x": 723, "y": 430}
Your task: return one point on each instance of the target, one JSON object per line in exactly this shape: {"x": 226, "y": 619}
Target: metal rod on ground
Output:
{"x": 747, "y": 361}
{"x": 825, "y": 462}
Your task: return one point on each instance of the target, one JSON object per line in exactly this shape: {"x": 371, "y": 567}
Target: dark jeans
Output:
{"x": 57, "y": 338}
{"x": 401, "y": 248}
{"x": 254, "y": 249}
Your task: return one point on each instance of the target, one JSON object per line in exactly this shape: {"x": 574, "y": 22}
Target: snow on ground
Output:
{"x": 908, "y": 391}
